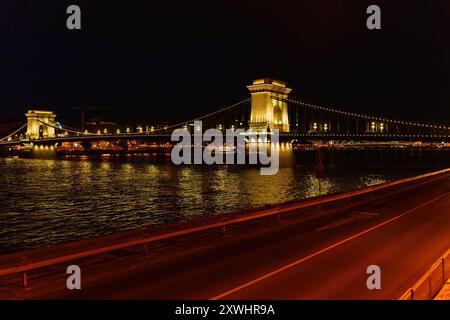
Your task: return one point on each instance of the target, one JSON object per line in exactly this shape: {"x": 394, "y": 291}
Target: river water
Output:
{"x": 43, "y": 202}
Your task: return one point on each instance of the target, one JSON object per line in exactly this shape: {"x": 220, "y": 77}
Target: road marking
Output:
{"x": 292, "y": 264}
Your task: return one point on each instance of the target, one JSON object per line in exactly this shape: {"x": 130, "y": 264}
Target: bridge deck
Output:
{"x": 283, "y": 137}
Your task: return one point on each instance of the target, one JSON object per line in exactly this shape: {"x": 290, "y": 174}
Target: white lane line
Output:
{"x": 292, "y": 264}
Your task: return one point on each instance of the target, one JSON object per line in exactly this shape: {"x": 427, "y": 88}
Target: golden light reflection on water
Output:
{"x": 50, "y": 201}
{"x": 318, "y": 187}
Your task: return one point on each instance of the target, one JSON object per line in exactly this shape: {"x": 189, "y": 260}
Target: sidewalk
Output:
{"x": 444, "y": 294}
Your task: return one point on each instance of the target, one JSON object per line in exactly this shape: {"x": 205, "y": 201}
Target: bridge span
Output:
{"x": 283, "y": 137}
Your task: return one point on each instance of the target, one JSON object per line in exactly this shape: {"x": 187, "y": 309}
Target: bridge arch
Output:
{"x": 36, "y": 120}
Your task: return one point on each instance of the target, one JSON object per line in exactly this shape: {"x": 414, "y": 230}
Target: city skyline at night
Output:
{"x": 192, "y": 59}
{"x": 224, "y": 159}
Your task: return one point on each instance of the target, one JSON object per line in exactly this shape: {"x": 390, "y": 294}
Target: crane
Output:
{"x": 83, "y": 111}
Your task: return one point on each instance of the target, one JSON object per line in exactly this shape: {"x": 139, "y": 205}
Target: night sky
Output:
{"x": 172, "y": 60}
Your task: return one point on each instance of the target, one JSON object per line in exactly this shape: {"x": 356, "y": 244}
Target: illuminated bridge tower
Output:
{"x": 266, "y": 111}
{"x": 36, "y": 128}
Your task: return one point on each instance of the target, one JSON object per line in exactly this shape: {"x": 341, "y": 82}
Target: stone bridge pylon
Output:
{"x": 36, "y": 120}
{"x": 267, "y": 112}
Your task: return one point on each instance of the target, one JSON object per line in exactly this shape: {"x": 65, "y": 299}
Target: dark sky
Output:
{"x": 177, "y": 59}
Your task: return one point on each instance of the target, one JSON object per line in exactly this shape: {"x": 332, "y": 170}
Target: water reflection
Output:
{"x": 50, "y": 201}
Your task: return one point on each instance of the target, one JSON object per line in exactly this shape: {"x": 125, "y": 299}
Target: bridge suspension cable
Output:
{"x": 221, "y": 110}
{"x": 10, "y": 135}
{"x": 58, "y": 128}
{"x": 227, "y": 108}
{"x": 68, "y": 128}
{"x": 358, "y": 115}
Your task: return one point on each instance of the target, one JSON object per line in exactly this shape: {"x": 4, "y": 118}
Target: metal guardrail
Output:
{"x": 221, "y": 225}
{"x": 431, "y": 282}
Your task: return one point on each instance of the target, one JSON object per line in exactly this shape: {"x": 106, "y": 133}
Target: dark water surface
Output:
{"x": 43, "y": 202}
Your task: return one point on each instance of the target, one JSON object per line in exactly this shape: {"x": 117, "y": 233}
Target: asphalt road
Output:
{"x": 403, "y": 236}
